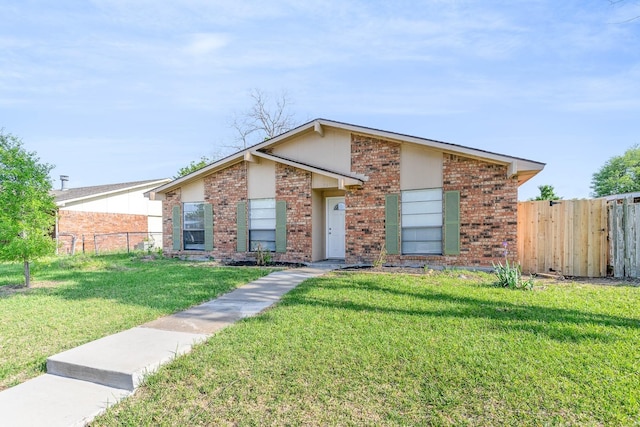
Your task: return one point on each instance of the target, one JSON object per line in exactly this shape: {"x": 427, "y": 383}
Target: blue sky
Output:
{"x": 123, "y": 90}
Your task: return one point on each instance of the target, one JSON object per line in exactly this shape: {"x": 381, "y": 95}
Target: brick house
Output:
{"x": 331, "y": 190}
{"x": 107, "y": 217}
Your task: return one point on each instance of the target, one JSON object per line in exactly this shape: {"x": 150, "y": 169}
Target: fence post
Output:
{"x": 128, "y": 242}
{"x": 95, "y": 244}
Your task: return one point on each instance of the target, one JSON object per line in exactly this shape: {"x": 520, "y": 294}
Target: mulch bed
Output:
{"x": 271, "y": 264}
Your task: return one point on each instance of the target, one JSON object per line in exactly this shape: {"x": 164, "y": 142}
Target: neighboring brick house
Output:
{"x": 107, "y": 217}
{"x": 330, "y": 190}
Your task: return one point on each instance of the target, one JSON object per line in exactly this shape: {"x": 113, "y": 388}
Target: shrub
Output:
{"x": 263, "y": 257}
{"x": 510, "y": 276}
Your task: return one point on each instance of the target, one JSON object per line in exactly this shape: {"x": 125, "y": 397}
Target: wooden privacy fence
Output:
{"x": 567, "y": 237}
{"x": 624, "y": 237}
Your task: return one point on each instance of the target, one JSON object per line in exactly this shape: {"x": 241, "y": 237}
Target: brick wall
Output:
{"x": 293, "y": 186}
{"x": 488, "y": 206}
{"x": 89, "y": 224}
{"x": 488, "y": 210}
{"x": 365, "y": 207}
{"x": 224, "y": 189}
{"x": 172, "y": 199}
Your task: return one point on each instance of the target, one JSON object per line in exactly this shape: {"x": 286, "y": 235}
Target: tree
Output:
{"x": 193, "y": 166}
{"x": 264, "y": 120}
{"x": 27, "y": 210}
{"x": 619, "y": 174}
{"x": 547, "y": 192}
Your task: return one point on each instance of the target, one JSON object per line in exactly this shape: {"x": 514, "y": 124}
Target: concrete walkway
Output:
{"x": 82, "y": 382}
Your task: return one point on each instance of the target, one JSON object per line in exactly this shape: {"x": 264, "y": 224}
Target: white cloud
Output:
{"x": 202, "y": 44}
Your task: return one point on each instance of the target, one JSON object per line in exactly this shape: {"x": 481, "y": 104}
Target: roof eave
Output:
{"x": 65, "y": 202}
{"x": 317, "y": 125}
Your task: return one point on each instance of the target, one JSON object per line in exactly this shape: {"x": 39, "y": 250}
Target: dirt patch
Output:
{"x": 7, "y": 290}
{"x": 605, "y": 281}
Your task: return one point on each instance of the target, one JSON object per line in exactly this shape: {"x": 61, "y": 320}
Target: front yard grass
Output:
{"x": 444, "y": 349}
{"x": 75, "y": 300}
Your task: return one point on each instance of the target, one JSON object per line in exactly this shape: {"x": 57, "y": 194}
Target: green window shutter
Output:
{"x": 451, "y": 223}
{"x": 281, "y": 226}
{"x": 176, "y": 224}
{"x": 391, "y": 224}
{"x": 208, "y": 227}
{"x": 241, "y": 225}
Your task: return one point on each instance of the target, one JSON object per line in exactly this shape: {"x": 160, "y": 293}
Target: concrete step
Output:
{"x": 84, "y": 381}
{"x": 122, "y": 360}
{"x": 53, "y": 401}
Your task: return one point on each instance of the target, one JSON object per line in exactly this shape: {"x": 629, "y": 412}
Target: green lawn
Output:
{"x": 79, "y": 299}
{"x": 364, "y": 349}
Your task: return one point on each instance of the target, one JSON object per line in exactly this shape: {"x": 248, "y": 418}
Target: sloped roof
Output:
{"x": 81, "y": 193}
{"x": 523, "y": 168}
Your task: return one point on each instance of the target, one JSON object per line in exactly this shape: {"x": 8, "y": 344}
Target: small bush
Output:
{"x": 382, "y": 258}
{"x": 263, "y": 257}
{"x": 510, "y": 276}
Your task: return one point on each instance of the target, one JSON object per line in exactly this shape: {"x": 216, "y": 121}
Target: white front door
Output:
{"x": 335, "y": 227}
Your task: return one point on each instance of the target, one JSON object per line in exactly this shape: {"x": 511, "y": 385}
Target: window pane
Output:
{"x": 265, "y": 238}
{"x": 262, "y": 203}
{"x": 263, "y": 224}
{"x": 262, "y": 214}
{"x": 422, "y": 234}
{"x": 434, "y": 248}
{"x": 422, "y": 195}
{"x": 422, "y": 207}
{"x": 263, "y": 235}
{"x": 265, "y": 245}
{"x": 193, "y": 216}
{"x": 424, "y": 220}
{"x": 193, "y": 240}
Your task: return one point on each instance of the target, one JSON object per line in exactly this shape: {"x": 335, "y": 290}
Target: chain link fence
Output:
{"x": 109, "y": 242}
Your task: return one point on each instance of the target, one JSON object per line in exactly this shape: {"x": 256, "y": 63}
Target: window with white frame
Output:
{"x": 422, "y": 221}
{"x": 262, "y": 224}
{"x": 193, "y": 226}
